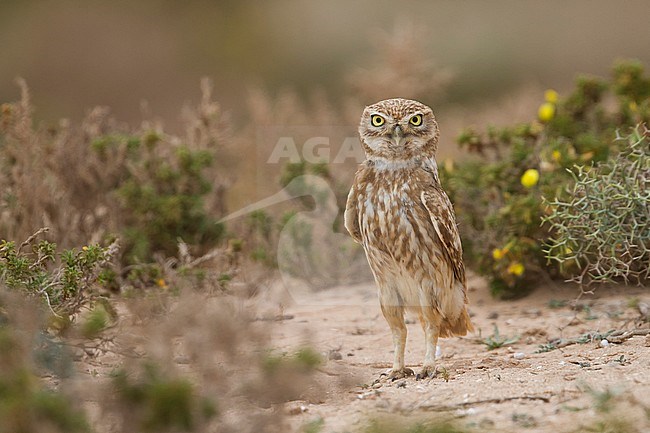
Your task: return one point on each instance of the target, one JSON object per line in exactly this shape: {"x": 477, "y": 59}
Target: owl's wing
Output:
{"x": 441, "y": 213}
{"x": 352, "y": 215}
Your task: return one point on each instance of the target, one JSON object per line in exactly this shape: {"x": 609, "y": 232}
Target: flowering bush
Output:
{"x": 498, "y": 193}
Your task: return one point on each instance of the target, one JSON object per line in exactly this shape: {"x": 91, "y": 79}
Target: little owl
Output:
{"x": 403, "y": 218}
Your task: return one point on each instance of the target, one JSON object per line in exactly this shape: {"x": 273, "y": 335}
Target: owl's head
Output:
{"x": 399, "y": 129}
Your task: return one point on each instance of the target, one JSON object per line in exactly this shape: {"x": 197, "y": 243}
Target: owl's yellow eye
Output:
{"x": 416, "y": 120}
{"x": 377, "y": 120}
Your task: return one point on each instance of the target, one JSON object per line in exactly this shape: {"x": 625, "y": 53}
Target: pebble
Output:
{"x": 519, "y": 355}
{"x": 534, "y": 312}
{"x": 298, "y": 410}
{"x": 604, "y": 342}
{"x": 334, "y": 355}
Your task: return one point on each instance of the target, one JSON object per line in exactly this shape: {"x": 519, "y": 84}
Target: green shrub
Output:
{"x": 101, "y": 180}
{"x": 162, "y": 198}
{"x": 64, "y": 280}
{"x": 96, "y": 322}
{"x": 434, "y": 426}
{"x": 304, "y": 360}
{"x": 157, "y": 402}
{"x": 498, "y": 192}
{"x": 601, "y": 231}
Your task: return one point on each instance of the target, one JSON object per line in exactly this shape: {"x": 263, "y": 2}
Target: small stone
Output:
{"x": 297, "y": 410}
{"x": 535, "y": 312}
{"x": 401, "y": 384}
{"x": 334, "y": 355}
{"x": 493, "y": 315}
{"x": 519, "y": 355}
{"x": 604, "y": 342}
{"x": 377, "y": 385}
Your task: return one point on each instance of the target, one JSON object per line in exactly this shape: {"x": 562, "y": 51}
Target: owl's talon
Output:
{"x": 400, "y": 374}
{"x": 427, "y": 372}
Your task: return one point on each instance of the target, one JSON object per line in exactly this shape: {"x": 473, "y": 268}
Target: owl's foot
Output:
{"x": 427, "y": 372}
{"x": 394, "y": 374}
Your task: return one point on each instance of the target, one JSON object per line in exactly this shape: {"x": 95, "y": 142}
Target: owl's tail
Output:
{"x": 459, "y": 327}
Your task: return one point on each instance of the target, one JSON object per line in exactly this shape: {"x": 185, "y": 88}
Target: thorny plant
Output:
{"x": 602, "y": 231}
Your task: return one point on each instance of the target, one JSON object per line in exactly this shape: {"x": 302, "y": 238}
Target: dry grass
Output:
{"x": 60, "y": 178}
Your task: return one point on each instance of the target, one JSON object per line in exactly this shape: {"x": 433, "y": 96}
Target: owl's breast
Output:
{"x": 394, "y": 224}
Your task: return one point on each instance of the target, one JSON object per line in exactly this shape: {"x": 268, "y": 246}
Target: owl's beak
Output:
{"x": 398, "y": 135}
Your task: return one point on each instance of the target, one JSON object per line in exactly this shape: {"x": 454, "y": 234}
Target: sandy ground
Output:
{"x": 511, "y": 388}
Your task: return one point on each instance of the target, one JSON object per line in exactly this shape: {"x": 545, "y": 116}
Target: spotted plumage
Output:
{"x": 401, "y": 215}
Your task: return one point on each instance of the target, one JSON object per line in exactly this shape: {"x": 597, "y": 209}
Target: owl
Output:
{"x": 398, "y": 211}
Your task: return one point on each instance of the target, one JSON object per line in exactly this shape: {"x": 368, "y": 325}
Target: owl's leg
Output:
{"x": 431, "y": 332}
{"x": 395, "y": 317}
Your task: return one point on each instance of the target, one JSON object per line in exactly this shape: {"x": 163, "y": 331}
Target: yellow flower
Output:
{"x": 550, "y": 96}
{"x": 516, "y": 269}
{"x": 85, "y": 248}
{"x": 556, "y": 155}
{"x": 530, "y": 178}
{"x": 161, "y": 283}
{"x": 633, "y": 107}
{"x": 498, "y": 254}
{"x": 546, "y": 112}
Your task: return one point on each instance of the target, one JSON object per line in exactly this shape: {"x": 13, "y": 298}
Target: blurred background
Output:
{"x": 79, "y": 54}
{"x": 302, "y": 69}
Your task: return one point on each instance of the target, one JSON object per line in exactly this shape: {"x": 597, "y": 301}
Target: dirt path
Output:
{"x": 510, "y": 388}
